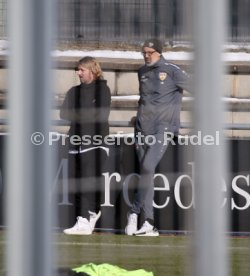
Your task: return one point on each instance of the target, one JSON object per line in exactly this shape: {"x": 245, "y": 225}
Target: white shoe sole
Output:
{"x": 77, "y": 233}
{"x": 149, "y": 234}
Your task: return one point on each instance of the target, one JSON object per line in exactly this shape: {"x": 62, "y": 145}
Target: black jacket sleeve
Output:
{"x": 103, "y": 101}
{"x": 95, "y": 110}
{"x": 67, "y": 110}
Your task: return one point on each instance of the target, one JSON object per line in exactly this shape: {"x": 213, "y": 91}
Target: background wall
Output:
{"x": 130, "y": 22}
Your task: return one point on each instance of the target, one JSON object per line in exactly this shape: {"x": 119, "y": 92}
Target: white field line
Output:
{"x": 132, "y": 245}
{"x": 118, "y": 245}
{"x": 139, "y": 245}
{"x": 112, "y": 244}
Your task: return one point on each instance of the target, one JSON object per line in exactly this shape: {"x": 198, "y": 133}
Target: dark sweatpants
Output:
{"x": 85, "y": 171}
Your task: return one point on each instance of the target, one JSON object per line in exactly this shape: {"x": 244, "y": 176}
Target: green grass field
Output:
{"x": 164, "y": 255}
{"x": 161, "y": 255}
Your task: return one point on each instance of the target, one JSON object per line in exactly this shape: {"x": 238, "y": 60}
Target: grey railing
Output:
{"x": 232, "y": 126}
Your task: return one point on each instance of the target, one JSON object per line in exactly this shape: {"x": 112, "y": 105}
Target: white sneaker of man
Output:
{"x": 93, "y": 218}
{"x": 131, "y": 227}
{"x": 82, "y": 227}
{"x": 147, "y": 230}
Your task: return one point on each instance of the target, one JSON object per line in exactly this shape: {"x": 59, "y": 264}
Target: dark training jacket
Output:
{"x": 161, "y": 86}
{"x": 87, "y": 107}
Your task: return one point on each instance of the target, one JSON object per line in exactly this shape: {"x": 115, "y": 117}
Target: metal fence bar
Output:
{"x": 3, "y": 18}
{"x": 28, "y": 167}
{"x": 210, "y": 219}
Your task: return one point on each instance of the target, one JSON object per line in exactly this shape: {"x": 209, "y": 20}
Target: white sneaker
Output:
{"x": 147, "y": 230}
{"x": 93, "y": 218}
{"x": 131, "y": 227}
{"x": 82, "y": 227}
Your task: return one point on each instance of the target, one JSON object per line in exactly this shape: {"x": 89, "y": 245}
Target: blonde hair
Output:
{"x": 93, "y": 65}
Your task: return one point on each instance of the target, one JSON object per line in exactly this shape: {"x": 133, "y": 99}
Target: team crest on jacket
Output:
{"x": 162, "y": 76}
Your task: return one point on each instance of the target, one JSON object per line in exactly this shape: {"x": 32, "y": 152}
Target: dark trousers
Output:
{"x": 85, "y": 172}
{"x": 149, "y": 156}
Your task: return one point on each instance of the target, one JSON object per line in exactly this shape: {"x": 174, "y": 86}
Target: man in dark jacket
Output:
{"x": 87, "y": 107}
{"x": 161, "y": 87}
